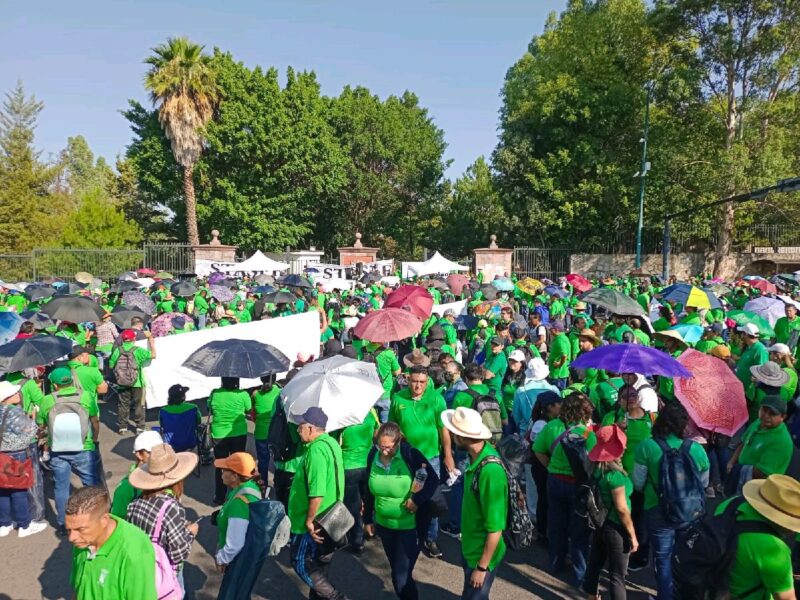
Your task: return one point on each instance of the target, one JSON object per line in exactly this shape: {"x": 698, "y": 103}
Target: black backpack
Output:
{"x": 704, "y": 552}
{"x": 488, "y": 408}
{"x": 279, "y": 438}
{"x": 589, "y": 504}
{"x": 574, "y": 446}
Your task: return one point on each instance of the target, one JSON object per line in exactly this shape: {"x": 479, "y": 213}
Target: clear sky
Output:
{"x": 84, "y": 58}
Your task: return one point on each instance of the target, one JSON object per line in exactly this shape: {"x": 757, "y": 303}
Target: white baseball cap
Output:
{"x": 517, "y": 355}
{"x": 750, "y": 329}
{"x": 146, "y": 440}
{"x": 779, "y": 349}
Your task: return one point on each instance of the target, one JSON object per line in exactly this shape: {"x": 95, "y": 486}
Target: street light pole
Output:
{"x": 645, "y": 167}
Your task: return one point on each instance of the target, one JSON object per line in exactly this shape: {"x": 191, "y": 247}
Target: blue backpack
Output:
{"x": 681, "y": 496}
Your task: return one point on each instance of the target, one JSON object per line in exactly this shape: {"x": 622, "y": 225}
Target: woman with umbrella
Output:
{"x": 228, "y": 407}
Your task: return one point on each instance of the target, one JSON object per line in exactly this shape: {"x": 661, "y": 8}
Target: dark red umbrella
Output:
{"x": 580, "y": 283}
{"x": 146, "y": 272}
{"x": 388, "y": 325}
{"x": 412, "y": 298}
{"x": 456, "y": 281}
{"x": 765, "y": 286}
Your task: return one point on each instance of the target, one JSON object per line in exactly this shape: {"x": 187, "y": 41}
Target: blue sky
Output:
{"x": 84, "y": 58}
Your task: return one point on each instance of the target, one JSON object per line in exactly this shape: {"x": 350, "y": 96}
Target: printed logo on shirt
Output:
{"x": 101, "y": 580}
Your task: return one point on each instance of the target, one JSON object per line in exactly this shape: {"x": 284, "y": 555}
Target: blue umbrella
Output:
{"x": 554, "y": 290}
{"x": 10, "y": 322}
{"x": 691, "y": 334}
{"x": 503, "y": 284}
{"x": 680, "y": 293}
{"x": 263, "y": 289}
{"x": 631, "y": 358}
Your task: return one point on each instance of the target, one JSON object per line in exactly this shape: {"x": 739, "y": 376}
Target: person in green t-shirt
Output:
{"x": 125, "y": 492}
{"x": 616, "y": 539}
{"x": 317, "y": 485}
{"x": 560, "y": 355}
{"x": 495, "y": 365}
{"x": 228, "y": 407}
{"x": 484, "y": 508}
{"x": 111, "y": 559}
{"x": 754, "y": 353}
{"x": 89, "y": 378}
{"x": 265, "y": 402}
{"x": 132, "y": 396}
{"x": 787, "y": 329}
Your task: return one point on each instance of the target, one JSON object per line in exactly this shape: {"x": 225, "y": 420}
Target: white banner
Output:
{"x": 291, "y": 335}
{"x": 328, "y": 271}
{"x": 204, "y": 267}
{"x": 459, "y": 307}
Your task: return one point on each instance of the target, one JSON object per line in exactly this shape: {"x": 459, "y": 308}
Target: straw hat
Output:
{"x": 721, "y": 351}
{"x": 164, "y": 468}
{"x": 671, "y": 334}
{"x": 415, "y": 358}
{"x": 7, "y": 389}
{"x": 590, "y": 335}
{"x": 776, "y": 498}
{"x": 769, "y": 374}
{"x": 611, "y": 441}
{"x": 466, "y": 423}
{"x": 537, "y": 369}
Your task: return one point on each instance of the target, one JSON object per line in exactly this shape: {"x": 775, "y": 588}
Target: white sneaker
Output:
{"x": 34, "y": 527}
{"x": 6, "y": 530}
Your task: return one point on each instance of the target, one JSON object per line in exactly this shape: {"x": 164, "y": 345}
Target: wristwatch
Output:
{"x": 481, "y": 569}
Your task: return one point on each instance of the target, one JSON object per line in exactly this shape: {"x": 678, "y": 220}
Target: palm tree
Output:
{"x": 182, "y": 84}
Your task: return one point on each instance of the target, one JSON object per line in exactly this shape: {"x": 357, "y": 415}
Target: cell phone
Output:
{"x": 198, "y": 520}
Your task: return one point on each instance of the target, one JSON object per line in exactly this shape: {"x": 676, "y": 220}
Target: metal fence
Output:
{"x": 541, "y": 262}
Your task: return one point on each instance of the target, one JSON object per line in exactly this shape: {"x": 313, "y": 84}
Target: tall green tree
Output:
{"x": 79, "y": 169}
{"x": 183, "y": 85}
{"x": 99, "y": 223}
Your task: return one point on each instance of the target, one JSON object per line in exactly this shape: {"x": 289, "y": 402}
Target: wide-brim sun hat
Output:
{"x": 8, "y": 389}
{"x": 590, "y": 335}
{"x": 164, "y": 468}
{"x": 671, "y": 334}
{"x": 537, "y": 369}
{"x": 777, "y": 498}
{"x": 465, "y": 422}
{"x": 416, "y": 358}
{"x": 770, "y": 374}
{"x": 611, "y": 441}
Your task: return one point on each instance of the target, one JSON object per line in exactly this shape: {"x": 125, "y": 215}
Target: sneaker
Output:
{"x": 711, "y": 492}
{"x": 6, "y": 530}
{"x": 32, "y": 528}
{"x": 432, "y": 549}
{"x": 139, "y": 430}
{"x": 638, "y": 565}
{"x": 450, "y": 532}
{"x": 123, "y": 431}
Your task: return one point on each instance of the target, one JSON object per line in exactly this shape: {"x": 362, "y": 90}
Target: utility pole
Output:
{"x": 644, "y": 168}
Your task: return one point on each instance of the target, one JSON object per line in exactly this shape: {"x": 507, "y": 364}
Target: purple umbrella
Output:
{"x": 139, "y": 300}
{"x": 215, "y": 278}
{"x": 162, "y": 325}
{"x": 631, "y": 358}
{"x": 222, "y": 294}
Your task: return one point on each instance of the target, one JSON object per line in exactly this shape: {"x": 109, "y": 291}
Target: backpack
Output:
{"x": 68, "y": 422}
{"x": 704, "y": 552}
{"x": 574, "y": 446}
{"x": 681, "y": 496}
{"x": 167, "y": 586}
{"x": 488, "y": 408}
{"x": 589, "y": 504}
{"x": 518, "y": 533}
{"x": 126, "y": 370}
{"x": 279, "y": 438}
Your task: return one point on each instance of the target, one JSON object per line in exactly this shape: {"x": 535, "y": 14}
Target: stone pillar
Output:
{"x": 212, "y": 252}
{"x": 357, "y": 253}
{"x": 493, "y": 261}
{"x": 300, "y": 259}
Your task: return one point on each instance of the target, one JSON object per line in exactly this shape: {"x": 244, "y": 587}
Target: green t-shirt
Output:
{"x": 124, "y": 495}
{"x": 559, "y": 348}
{"x": 49, "y": 401}
{"x": 391, "y": 487}
{"x": 387, "y": 365}
{"x": 123, "y": 567}
{"x": 32, "y": 394}
{"x": 316, "y": 477}
{"x": 609, "y": 481}
{"x": 265, "y": 405}
{"x": 754, "y": 355}
{"x": 141, "y": 356}
{"x": 648, "y": 454}
{"x": 486, "y": 512}
{"x": 235, "y": 508}
{"x": 419, "y": 420}
{"x": 89, "y": 377}
{"x": 228, "y": 412}
{"x": 497, "y": 364}
{"x": 357, "y": 440}
{"x": 559, "y": 465}
{"x": 768, "y": 450}
{"x": 759, "y": 557}
{"x": 784, "y": 328}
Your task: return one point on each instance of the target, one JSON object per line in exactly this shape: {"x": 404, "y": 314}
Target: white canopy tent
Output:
{"x": 436, "y": 264}
{"x": 258, "y": 263}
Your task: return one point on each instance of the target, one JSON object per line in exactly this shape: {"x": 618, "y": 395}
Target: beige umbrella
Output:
{"x": 84, "y": 277}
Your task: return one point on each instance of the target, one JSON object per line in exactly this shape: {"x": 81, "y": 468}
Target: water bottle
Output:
{"x": 419, "y": 479}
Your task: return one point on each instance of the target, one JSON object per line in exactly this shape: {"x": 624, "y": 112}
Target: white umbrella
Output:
{"x": 790, "y": 300}
{"x": 770, "y": 309}
{"x": 345, "y": 389}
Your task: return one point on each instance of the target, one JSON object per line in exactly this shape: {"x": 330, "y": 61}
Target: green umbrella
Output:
{"x": 743, "y": 317}
{"x": 163, "y": 275}
{"x": 615, "y": 302}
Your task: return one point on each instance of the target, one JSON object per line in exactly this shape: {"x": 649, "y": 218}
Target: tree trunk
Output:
{"x": 191, "y": 206}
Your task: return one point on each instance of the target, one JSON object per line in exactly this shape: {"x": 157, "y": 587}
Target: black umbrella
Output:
{"x": 237, "y": 358}
{"x": 489, "y": 292}
{"x": 280, "y": 298}
{"x": 39, "y": 292}
{"x": 183, "y": 289}
{"x": 295, "y": 281}
{"x": 125, "y": 286}
{"x": 40, "y": 320}
{"x": 74, "y": 309}
{"x": 167, "y": 283}
{"x": 121, "y": 316}
{"x": 24, "y": 353}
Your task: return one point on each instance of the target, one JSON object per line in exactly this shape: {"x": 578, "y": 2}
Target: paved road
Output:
{"x": 38, "y": 567}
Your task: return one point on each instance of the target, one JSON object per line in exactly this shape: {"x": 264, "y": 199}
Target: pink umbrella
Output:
{"x": 765, "y": 286}
{"x": 388, "y": 325}
{"x": 714, "y": 396}
{"x": 413, "y": 298}
{"x": 456, "y": 281}
{"x": 580, "y": 283}
{"x": 146, "y": 272}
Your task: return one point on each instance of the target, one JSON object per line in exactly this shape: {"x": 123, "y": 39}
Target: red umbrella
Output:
{"x": 146, "y": 272}
{"x": 765, "y": 286}
{"x": 456, "y": 281}
{"x": 388, "y": 325}
{"x": 413, "y": 298}
{"x": 580, "y": 283}
{"x": 714, "y": 396}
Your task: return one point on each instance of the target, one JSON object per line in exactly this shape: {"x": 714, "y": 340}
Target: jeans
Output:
{"x": 402, "y": 549}
{"x": 608, "y": 543}
{"x": 433, "y": 528}
{"x": 355, "y": 488}
{"x": 64, "y": 464}
{"x": 311, "y": 562}
{"x": 130, "y": 397}
{"x": 14, "y": 508}
{"x": 223, "y": 448}
{"x": 642, "y": 555}
{"x": 662, "y": 540}
{"x": 482, "y": 593}
{"x": 565, "y": 530}
{"x": 539, "y": 474}
{"x": 531, "y": 493}
{"x": 457, "y": 492}
{"x": 36, "y": 491}
{"x": 201, "y": 321}
{"x": 263, "y": 455}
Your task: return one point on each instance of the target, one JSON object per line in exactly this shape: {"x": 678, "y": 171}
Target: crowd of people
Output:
{"x": 489, "y": 430}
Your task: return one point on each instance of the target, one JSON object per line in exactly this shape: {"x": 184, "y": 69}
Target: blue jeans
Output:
{"x": 457, "y": 491}
{"x": 433, "y": 528}
{"x": 402, "y": 549}
{"x": 662, "y": 540}
{"x": 565, "y": 530}
{"x": 471, "y": 593}
{"x": 355, "y": 488}
{"x": 36, "y": 492}
{"x": 64, "y": 463}
{"x": 201, "y": 321}
{"x": 14, "y": 508}
{"x": 263, "y": 455}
